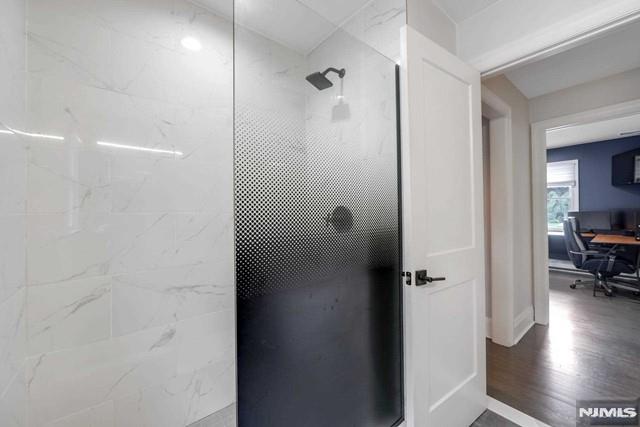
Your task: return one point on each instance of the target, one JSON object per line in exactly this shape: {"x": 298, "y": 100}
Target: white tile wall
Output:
{"x": 378, "y": 25}
{"x": 13, "y": 402}
{"x": 129, "y": 253}
{"x": 69, "y": 314}
{"x": 13, "y": 157}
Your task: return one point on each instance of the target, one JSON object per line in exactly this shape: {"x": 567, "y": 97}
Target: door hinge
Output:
{"x": 407, "y": 275}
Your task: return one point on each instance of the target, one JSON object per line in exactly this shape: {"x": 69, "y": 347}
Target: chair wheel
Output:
{"x": 608, "y": 293}
{"x": 572, "y": 286}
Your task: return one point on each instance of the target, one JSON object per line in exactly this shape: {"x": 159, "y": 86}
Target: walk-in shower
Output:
{"x": 317, "y": 228}
{"x": 206, "y": 239}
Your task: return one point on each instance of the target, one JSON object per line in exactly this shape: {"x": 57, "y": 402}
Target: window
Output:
{"x": 562, "y": 192}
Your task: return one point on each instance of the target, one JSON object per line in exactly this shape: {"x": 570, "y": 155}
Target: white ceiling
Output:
{"x": 609, "y": 55}
{"x": 298, "y": 24}
{"x": 459, "y": 10}
{"x": 593, "y": 132}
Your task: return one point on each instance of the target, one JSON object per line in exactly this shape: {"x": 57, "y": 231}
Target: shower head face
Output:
{"x": 319, "y": 81}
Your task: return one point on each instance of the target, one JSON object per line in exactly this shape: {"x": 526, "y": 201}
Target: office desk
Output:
{"x": 618, "y": 240}
{"x": 614, "y": 239}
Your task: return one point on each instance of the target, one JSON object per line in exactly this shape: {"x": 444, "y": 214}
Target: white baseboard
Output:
{"x": 523, "y": 322}
{"x": 513, "y": 415}
{"x": 487, "y": 330}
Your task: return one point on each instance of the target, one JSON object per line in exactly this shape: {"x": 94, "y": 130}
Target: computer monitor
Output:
{"x": 629, "y": 219}
{"x": 619, "y": 217}
{"x": 595, "y": 220}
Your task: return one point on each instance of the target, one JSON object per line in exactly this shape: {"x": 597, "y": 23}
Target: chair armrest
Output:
{"x": 591, "y": 254}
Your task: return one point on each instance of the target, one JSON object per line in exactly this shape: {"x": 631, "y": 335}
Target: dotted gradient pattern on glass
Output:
{"x": 289, "y": 177}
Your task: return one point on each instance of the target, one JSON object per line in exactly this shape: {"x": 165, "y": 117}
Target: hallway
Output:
{"x": 590, "y": 350}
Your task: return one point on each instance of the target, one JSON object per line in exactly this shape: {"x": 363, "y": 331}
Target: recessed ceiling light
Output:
{"x": 191, "y": 43}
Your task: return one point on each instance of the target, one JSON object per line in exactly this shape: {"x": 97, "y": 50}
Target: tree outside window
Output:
{"x": 562, "y": 192}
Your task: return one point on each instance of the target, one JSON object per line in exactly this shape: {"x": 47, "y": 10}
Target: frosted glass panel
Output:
{"x": 317, "y": 223}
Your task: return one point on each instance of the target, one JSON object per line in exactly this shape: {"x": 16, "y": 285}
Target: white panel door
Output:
{"x": 443, "y": 234}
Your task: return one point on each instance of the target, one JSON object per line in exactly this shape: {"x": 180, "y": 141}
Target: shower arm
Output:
{"x": 340, "y": 72}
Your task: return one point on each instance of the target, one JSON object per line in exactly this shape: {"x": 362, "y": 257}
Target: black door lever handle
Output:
{"x": 422, "y": 278}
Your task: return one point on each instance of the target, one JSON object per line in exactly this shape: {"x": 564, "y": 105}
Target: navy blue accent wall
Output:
{"x": 596, "y": 191}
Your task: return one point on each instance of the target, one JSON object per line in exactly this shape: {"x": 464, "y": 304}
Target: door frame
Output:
{"x": 501, "y": 324}
{"x": 557, "y": 38}
{"x": 539, "y": 192}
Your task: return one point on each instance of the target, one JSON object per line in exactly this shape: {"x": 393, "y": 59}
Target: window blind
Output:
{"x": 562, "y": 174}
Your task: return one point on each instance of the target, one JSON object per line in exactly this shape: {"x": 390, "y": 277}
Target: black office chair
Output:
{"x": 603, "y": 265}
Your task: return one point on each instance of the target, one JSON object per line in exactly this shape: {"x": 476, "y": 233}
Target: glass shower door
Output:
{"x": 317, "y": 223}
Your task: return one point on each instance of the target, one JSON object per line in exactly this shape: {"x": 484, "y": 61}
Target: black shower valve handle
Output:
{"x": 328, "y": 219}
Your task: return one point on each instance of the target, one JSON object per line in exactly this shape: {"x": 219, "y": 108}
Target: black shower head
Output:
{"x": 320, "y": 80}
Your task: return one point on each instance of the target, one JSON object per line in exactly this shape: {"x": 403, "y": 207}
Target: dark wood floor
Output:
{"x": 590, "y": 350}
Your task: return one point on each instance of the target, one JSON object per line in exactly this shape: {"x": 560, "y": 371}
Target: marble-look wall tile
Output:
{"x": 97, "y": 416}
{"x": 13, "y": 157}
{"x": 223, "y": 418}
{"x": 206, "y": 340}
{"x": 378, "y": 25}
{"x": 12, "y": 255}
{"x": 141, "y": 242}
{"x": 134, "y": 49}
{"x": 97, "y": 373}
{"x": 169, "y": 185}
{"x": 67, "y": 180}
{"x": 12, "y": 63}
{"x": 70, "y": 43}
{"x": 13, "y": 402}
{"x": 69, "y": 314}
{"x": 12, "y": 337}
{"x": 207, "y": 75}
{"x": 64, "y": 247}
{"x": 13, "y": 162}
{"x": 206, "y": 239}
{"x": 204, "y": 382}
{"x": 181, "y": 401}
{"x": 268, "y": 76}
{"x": 124, "y": 244}
{"x": 159, "y": 297}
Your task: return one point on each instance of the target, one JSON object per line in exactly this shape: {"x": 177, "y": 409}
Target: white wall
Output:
{"x": 610, "y": 90}
{"x": 521, "y": 175}
{"x": 12, "y": 215}
{"x": 430, "y": 20}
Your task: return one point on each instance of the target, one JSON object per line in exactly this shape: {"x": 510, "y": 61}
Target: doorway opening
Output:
{"x": 578, "y": 135}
